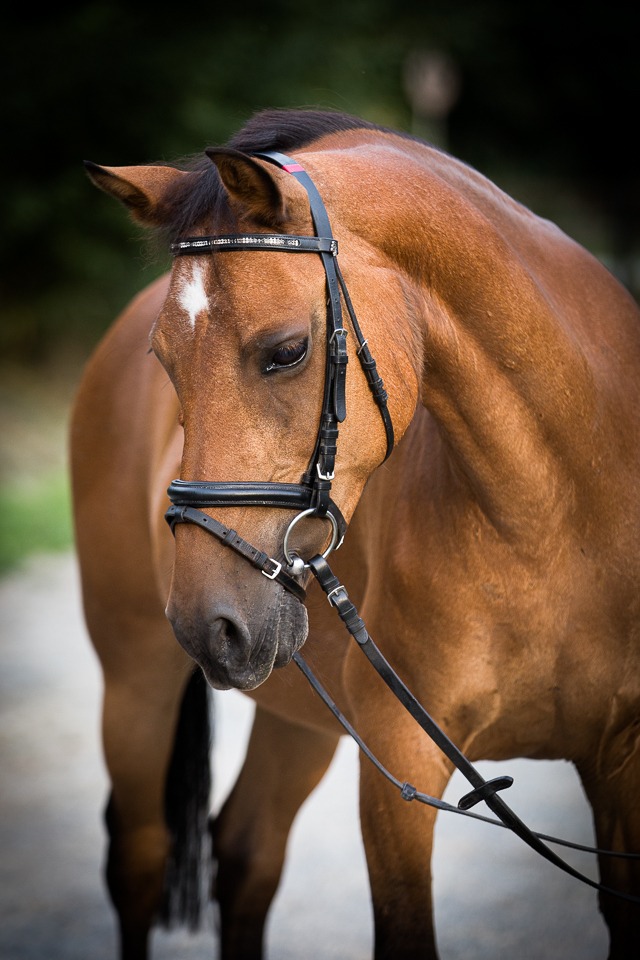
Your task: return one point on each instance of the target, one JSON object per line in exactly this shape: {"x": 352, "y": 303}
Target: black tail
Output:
{"x": 187, "y": 797}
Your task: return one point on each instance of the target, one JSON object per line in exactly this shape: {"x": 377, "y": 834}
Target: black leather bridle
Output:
{"x": 312, "y": 497}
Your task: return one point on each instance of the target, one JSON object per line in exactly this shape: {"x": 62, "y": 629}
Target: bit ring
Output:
{"x": 335, "y": 534}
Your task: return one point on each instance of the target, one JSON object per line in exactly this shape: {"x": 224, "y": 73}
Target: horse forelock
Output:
{"x": 202, "y": 198}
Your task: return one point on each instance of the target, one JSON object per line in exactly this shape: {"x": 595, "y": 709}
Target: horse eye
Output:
{"x": 287, "y": 356}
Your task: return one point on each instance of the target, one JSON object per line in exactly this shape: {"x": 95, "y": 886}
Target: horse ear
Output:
{"x": 141, "y": 189}
{"x": 250, "y": 185}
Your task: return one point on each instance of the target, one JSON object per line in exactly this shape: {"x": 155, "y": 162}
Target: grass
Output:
{"x": 35, "y": 507}
{"x": 36, "y": 517}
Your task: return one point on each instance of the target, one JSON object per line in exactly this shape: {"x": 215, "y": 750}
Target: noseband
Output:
{"x": 312, "y": 496}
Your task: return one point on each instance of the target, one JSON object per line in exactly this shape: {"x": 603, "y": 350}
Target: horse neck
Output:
{"x": 519, "y": 370}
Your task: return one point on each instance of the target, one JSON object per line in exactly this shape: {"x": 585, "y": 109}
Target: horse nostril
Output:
{"x": 228, "y": 634}
{"x": 214, "y": 635}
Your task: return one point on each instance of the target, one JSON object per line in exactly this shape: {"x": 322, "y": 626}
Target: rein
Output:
{"x": 312, "y": 497}
{"x": 486, "y": 790}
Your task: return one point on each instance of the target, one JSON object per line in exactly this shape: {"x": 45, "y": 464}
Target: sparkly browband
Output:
{"x": 246, "y": 241}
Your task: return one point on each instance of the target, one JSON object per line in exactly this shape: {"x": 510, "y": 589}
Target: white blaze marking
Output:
{"x": 192, "y": 296}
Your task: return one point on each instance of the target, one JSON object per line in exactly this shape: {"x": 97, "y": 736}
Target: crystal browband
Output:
{"x": 279, "y": 241}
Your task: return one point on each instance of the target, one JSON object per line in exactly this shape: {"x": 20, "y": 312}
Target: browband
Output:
{"x": 268, "y": 241}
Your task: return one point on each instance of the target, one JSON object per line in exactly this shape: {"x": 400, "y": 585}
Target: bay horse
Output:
{"x": 494, "y": 556}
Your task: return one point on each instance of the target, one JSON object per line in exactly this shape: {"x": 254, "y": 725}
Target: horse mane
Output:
{"x": 287, "y": 129}
{"x": 202, "y": 195}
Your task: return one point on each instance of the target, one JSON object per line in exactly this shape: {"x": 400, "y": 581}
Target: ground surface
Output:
{"x": 494, "y": 899}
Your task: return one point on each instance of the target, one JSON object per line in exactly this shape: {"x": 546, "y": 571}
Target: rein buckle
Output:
{"x": 330, "y": 596}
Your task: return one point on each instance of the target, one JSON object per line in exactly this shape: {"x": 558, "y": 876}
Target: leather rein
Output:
{"x": 312, "y": 498}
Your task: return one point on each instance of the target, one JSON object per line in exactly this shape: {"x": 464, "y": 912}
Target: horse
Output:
{"x": 493, "y": 554}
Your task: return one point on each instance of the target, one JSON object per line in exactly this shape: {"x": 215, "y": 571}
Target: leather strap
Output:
{"x": 270, "y": 241}
{"x": 335, "y": 280}
{"x": 288, "y": 496}
{"x": 203, "y": 493}
{"x": 483, "y": 789}
{"x": 368, "y": 364}
{"x": 271, "y": 568}
{"x": 334, "y": 405}
{"x": 409, "y": 792}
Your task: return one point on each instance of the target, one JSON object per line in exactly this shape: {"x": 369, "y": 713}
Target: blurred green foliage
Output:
{"x": 36, "y": 517}
{"x": 546, "y": 107}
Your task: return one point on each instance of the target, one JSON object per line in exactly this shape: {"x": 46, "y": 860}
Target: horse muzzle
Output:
{"x": 236, "y": 624}
{"x": 235, "y": 650}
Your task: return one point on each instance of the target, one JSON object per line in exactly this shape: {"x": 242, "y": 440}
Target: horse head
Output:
{"x": 244, "y": 338}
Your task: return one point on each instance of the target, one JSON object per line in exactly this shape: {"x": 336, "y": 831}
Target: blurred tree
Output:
{"x": 545, "y": 106}
{"x": 550, "y": 99}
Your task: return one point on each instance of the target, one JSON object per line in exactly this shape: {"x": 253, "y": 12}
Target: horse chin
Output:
{"x": 240, "y": 654}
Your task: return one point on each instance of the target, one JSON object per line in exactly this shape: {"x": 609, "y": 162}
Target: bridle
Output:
{"x": 312, "y": 498}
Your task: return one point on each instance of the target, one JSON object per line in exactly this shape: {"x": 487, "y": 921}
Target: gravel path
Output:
{"x": 494, "y": 898}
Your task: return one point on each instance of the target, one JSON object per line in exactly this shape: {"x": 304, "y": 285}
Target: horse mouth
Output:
{"x": 239, "y": 653}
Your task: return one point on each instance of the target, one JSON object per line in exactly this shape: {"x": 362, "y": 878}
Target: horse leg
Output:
{"x": 397, "y": 835}
{"x": 613, "y": 795}
{"x": 284, "y": 762}
{"x": 140, "y": 711}
{"x": 398, "y": 842}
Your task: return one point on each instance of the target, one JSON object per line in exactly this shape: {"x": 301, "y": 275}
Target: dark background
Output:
{"x": 543, "y": 98}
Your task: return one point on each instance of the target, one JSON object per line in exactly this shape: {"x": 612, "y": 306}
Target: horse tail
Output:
{"x": 187, "y": 797}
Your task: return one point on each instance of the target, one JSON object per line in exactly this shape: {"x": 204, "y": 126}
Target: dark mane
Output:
{"x": 287, "y": 129}
{"x": 202, "y": 195}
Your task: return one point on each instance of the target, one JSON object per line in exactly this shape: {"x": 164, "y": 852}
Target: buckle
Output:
{"x": 324, "y": 476}
{"x": 334, "y": 602}
{"x": 278, "y": 568}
